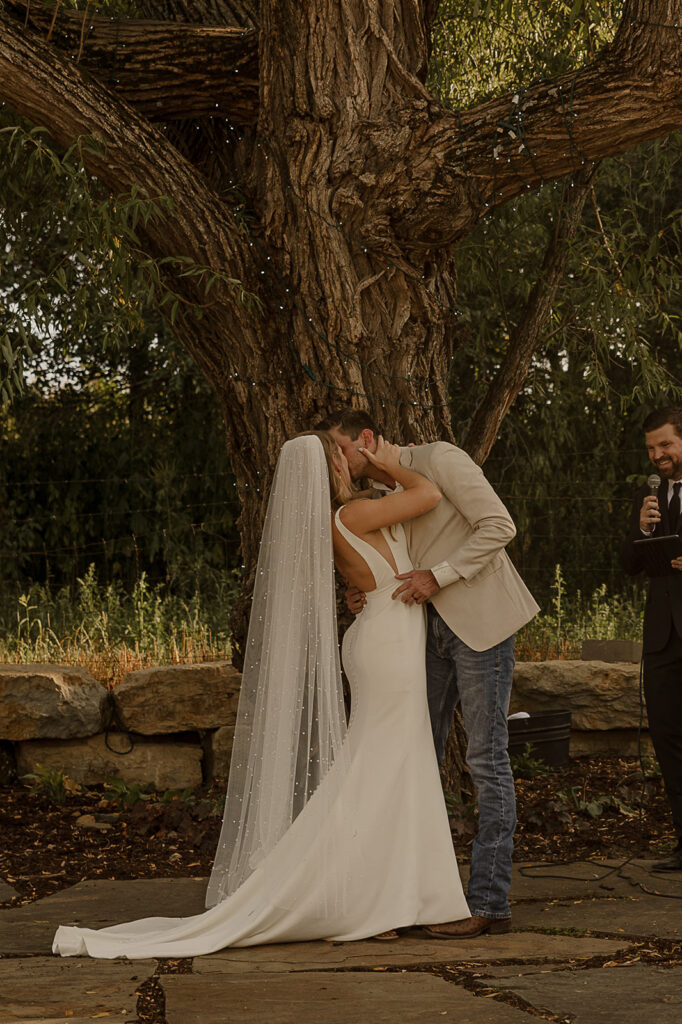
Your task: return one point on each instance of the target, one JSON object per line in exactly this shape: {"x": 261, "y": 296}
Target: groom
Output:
{"x": 475, "y": 602}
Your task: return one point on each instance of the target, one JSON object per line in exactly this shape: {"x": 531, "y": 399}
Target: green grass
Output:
{"x": 559, "y": 631}
{"x": 112, "y": 632}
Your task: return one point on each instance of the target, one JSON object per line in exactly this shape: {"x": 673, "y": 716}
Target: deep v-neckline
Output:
{"x": 394, "y": 568}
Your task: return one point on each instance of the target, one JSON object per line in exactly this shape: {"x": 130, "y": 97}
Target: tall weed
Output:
{"x": 570, "y": 619}
{"x": 112, "y": 632}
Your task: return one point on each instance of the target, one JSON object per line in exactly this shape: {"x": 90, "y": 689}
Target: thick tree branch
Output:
{"x": 429, "y": 12}
{"x": 52, "y": 92}
{"x": 528, "y": 337}
{"x": 238, "y": 13}
{"x": 461, "y": 164}
{"x": 166, "y": 70}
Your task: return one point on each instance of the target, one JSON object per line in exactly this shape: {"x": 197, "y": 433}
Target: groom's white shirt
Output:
{"x": 462, "y": 541}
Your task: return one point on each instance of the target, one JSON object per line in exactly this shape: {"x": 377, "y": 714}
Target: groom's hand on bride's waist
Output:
{"x": 417, "y": 586}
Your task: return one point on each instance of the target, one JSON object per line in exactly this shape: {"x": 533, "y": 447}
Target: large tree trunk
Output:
{"x": 334, "y": 194}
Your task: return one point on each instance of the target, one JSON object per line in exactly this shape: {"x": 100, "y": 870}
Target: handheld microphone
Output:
{"x": 653, "y": 483}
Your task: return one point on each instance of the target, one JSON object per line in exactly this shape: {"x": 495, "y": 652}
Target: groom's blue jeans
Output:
{"x": 481, "y": 682}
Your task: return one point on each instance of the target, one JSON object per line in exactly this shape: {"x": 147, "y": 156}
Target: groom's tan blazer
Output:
{"x": 468, "y": 529}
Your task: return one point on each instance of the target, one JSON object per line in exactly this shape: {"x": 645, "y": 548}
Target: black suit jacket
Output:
{"x": 663, "y": 609}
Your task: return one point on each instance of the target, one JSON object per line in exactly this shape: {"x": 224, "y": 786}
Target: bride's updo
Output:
{"x": 339, "y": 490}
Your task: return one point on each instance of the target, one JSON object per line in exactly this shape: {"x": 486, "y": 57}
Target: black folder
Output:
{"x": 656, "y": 553}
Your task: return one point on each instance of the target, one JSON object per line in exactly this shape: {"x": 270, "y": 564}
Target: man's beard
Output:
{"x": 670, "y": 469}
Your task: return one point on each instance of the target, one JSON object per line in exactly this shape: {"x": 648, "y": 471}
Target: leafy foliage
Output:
{"x": 51, "y": 785}
{"x": 66, "y": 266}
{"x": 527, "y": 766}
{"x": 570, "y": 451}
{"x": 73, "y": 264}
{"x": 126, "y": 794}
{"x": 491, "y": 46}
{"x": 114, "y": 455}
{"x": 117, "y": 461}
{"x": 111, "y": 631}
{"x": 570, "y": 617}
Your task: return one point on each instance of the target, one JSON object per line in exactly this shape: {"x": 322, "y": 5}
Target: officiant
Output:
{"x": 656, "y": 513}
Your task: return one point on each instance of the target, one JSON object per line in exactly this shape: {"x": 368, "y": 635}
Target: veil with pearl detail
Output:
{"x": 291, "y": 722}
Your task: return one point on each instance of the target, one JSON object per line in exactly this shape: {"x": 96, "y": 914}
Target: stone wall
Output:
{"x": 603, "y": 699}
{"x": 173, "y": 726}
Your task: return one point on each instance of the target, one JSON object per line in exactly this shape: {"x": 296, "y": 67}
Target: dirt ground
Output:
{"x": 601, "y": 807}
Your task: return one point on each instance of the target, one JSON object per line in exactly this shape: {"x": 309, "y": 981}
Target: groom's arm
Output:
{"x": 463, "y": 484}
{"x": 492, "y": 528}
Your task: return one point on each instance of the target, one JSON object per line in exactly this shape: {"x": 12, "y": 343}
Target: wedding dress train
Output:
{"x": 371, "y": 850}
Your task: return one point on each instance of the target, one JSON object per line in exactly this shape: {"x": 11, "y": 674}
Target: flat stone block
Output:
{"x": 49, "y": 701}
{"x": 611, "y": 650}
{"x": 97, "y": 904}
{"x": 320, "y": 998}
{"x": 7, "y": 893}
{"x": 631, "y": 916}
{"x": 51, "y": 987}
{"x": 618, "y": 742}
{"x": 218, "y": 751}
{"x": 632, "y": 994}
{"x": 179, "y": 698}
{"x": 407, "y": 951}
{"x": 167, "y": 765}
{"x": 54, "y": 1020}
{"x": 641, "y": 872}
{"x": 598, "y": 695}
{"x": 574, "y": 880}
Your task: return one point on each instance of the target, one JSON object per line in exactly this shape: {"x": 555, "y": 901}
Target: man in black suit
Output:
{"x": 656, "y": 516}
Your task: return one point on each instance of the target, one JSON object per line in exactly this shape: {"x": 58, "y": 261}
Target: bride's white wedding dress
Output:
{"x": 371, "y": 850}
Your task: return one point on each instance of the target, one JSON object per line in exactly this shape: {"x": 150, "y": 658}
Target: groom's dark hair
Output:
{"x": 349, "y": 421}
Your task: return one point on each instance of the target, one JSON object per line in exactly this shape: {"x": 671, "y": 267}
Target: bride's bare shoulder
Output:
{"x": 355, "y": 512}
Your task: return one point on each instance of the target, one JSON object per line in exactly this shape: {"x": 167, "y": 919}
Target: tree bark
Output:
{"x": 166, "y": 70}
{"x": 354, "y": 184}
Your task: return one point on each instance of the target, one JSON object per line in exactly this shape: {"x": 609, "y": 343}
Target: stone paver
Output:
{"x": 94, "y": 904}
{"x": 7, "y": 893}
{"x": 642, "y": 915}
{"x": 59, "y": 1020}
{"x": 350, "y": 983}
{"x": 48, "y": 987}
{"x": 405, "y": 952}
{"x": 352, "y": 998}
{"x": 640, "y": 875}
{"x": 557, "y": 881}
{"x": 627, "y": 994}
{"x": 554, "y": 881}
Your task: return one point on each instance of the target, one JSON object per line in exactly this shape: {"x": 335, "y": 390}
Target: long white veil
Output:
{"x": 291, "y": 722}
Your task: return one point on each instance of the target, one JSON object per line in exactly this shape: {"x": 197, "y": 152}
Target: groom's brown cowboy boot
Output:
{"x": 469, "y": 928}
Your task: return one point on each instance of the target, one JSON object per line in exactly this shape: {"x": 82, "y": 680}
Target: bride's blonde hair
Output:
{"x": 339, "y": 490}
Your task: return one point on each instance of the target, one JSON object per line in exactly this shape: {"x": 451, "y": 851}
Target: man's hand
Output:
{"x": 649, "y": 515}
{"x": 419, "y": 586}
{"x": 356, "y": 599}
{"x": 677, "y": 563}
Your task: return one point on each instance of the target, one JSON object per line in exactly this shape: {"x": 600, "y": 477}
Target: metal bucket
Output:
{"x": 548, "y": 732}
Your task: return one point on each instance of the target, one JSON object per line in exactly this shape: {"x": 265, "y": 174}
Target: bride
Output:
{"x": 331, "y": 831}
